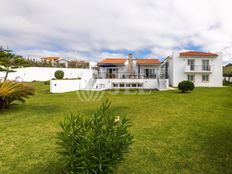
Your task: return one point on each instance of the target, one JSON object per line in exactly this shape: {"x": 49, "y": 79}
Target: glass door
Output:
{"x": 205, "y": 65}
{"x": 191, "y": 63}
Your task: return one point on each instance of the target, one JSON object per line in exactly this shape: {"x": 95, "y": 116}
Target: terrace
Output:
{"x": 198, "y": 68}
{"x": 125, "y": 75}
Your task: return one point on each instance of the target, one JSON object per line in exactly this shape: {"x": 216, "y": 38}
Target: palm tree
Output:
{"x": 11, "y": 91}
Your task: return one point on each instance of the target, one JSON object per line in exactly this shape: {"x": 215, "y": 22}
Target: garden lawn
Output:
{"x": 173, "y": 132}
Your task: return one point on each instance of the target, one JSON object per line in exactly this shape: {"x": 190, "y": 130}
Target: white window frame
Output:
{"x": 205, "y": 67}
{"x": 189, "y": 78}
{"x": 205, "y": 81}
{"x": 191, "y": 65}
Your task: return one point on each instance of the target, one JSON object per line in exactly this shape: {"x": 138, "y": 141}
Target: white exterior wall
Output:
{"x": 177, "y": 70}
{"x": 60, "y": 86}
{"x": 147, "y": 83}
{"x": 170, "y": 71}
{"x": 43, "y": 73}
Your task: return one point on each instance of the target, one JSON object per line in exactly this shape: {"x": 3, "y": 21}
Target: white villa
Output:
{"x": 203, "y": 68}
{"x": 130, "y": 73}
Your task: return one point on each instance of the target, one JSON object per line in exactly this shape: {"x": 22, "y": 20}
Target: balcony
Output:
{"x": 124, "y": 75}
{"x": 198, "y": 68}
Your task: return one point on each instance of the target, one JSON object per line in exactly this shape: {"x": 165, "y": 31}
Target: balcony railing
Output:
{"x": 123, "y": 75}
{"x": 198, "y": 68}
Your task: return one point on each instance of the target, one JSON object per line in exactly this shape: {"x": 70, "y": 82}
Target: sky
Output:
{"x": 94, "y": 29}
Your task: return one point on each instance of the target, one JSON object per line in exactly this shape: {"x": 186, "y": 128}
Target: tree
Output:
{"x": 9, "y": 60}
{"x": 227, "y": 71}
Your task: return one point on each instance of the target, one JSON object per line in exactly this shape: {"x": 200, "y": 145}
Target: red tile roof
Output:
{"x": 198, "y": 54}
{"x": 113, "y": 61}
{"x": 50, "y": 58}
{"x": 148, "y": 61}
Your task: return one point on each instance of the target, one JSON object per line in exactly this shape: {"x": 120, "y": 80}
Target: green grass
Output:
{"x": 174, "y": 133}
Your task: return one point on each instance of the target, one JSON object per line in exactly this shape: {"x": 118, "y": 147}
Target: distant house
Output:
{"x": 50, "y": 60}
{"x": 64, "y": 63}
{"x": 78, "y": 64}
{"x": 203, "y": 68}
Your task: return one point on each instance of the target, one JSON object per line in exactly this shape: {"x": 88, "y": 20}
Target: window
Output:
{"x": 111, "y": 73}
{"x": 140, "y": 85}
{"x": 122, "y": 85}
{"x": 115, "y": 85}
{"x": 128, "y": 85}
{"x": 205, "y": 65}
{"x": 191, "y": 78}
{"x": 205, "y": 78}
{"x": 149, "y": 73}
{"x": 134, "y": 85}
{"x": 191, "y": 63}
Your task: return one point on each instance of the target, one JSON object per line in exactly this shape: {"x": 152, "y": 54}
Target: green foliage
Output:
{"x": 47, "y": 82}
{"x": 8, "y": 59}
{"x": 59, "y": 74}
{"x": 227, "y": 83}
{"x": 11, "y": 91}
{"x": 227, "y": 70}
{"x": 185, "y": 86}
{"x": 96, "y": 144}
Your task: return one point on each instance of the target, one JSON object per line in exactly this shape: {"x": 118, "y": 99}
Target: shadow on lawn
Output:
{"x": 44, "y": 108}
{"x": 33, "y": 108}
{"x": 54, "y": 167}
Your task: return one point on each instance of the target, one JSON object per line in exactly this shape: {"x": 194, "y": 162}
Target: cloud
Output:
{"x": 89, "y": 28}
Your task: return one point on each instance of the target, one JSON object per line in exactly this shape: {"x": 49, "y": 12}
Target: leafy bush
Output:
{"x": 185, "y": 86}
{"x": 47, "y": 82}
{"x": 11, "y": 91}
{"x": 227, "y": 83}
{"x": 94, "y": 144}
{"x": 59, "y": 74}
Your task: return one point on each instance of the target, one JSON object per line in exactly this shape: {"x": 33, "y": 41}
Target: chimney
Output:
{"x": 130, "y": 64}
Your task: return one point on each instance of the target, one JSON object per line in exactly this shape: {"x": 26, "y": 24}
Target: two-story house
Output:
{"x": 203, "y": 68}
{"x": 129, "y": 73}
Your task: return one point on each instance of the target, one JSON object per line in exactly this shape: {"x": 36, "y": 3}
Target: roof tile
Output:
{"x": 113, "y": 61}
{"x": 198, "y": 54}
{"x": 148, "y": 61}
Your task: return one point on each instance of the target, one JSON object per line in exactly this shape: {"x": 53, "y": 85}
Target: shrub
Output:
{"x": 59, "y": 74}
{"x": 11, "y": 91}
{"x": 185, "y": 86}
{"x": 94, "y": 144}
{"x": 226, "y": 83}
{"x": 47, "y": 82}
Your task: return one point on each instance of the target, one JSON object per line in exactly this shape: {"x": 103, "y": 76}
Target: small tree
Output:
{"x": 59, "y": 74}
{"x": 8, "y": 60}
{"x": 94, "y": 144}
{"x": 227, "y": 71}
{"x": 185, "y": 86}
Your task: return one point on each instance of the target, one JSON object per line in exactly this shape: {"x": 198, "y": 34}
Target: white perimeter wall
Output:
{"x": 43, "y": 73}
{"x": 60, "y": 86}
